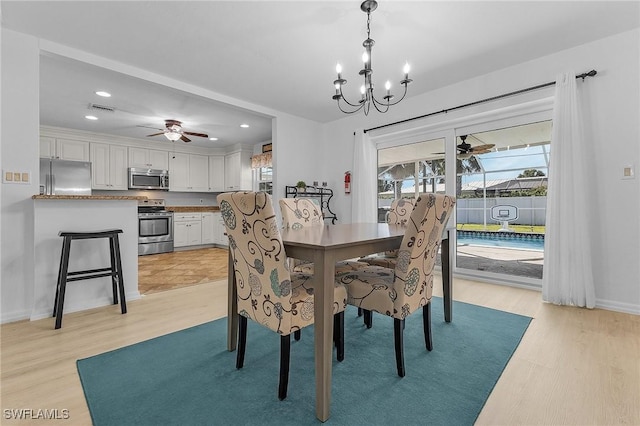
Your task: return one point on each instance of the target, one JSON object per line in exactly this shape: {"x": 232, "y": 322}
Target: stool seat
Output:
{"x": 114, "y": 270}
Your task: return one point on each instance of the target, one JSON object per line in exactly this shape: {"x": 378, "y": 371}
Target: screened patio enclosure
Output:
{"x": 510, "y": 170}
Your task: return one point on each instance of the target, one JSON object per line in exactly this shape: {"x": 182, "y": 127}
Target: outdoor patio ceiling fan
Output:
{"x": 174, "y": 131}
{"x": 465, "y": 148}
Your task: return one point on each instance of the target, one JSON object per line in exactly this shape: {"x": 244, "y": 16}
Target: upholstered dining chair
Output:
{"x": 398, "y": 214}
{"x": 399, "y": 292}
{"x": 302, "y": 212}
{"x": 267, "y": 292}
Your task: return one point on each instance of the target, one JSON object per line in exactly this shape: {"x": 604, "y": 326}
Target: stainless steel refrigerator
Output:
{"x": 63, "y": 177}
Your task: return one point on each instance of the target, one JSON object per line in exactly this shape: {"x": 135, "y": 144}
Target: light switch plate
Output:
{"x": 628, "y": 172}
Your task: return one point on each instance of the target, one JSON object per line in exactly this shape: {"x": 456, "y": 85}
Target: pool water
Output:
{"x": 488, "y": 241}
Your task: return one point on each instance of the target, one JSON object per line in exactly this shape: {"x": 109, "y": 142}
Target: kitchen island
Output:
{"x": 77, "y": 213}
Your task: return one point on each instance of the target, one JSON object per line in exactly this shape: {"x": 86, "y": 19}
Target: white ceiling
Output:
{"x": 282, "y": 54}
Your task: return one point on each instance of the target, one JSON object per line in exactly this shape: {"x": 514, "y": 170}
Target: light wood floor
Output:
{"x": 573, "y": 366}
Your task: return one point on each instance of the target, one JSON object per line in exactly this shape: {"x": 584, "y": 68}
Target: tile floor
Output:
{"x": 167, "y": 271}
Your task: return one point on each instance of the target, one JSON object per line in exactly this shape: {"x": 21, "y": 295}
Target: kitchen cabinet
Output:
{"x": 64, "y": 149}
{"x": 237, "y": 171}
{"x": 189, "y": 173}
{"x": 207, "y": 228}
{"x": 148, "y": 158}
{"x": 216, "y": 173}
{"x": 187, "y": 229}
{"x": 219, "y": 237}
{"x": 108, "y": 166}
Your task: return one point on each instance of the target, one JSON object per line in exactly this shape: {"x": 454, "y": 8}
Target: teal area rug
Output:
{"x": 188, "y": 377}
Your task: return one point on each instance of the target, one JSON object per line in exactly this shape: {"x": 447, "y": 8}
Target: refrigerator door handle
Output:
{"x": 47, "y": 184}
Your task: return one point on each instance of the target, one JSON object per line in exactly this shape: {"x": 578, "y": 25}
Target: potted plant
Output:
{"x": 301, "y": 185}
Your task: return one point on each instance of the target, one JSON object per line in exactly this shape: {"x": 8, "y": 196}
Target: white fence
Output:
{"x": 531, "y": 210}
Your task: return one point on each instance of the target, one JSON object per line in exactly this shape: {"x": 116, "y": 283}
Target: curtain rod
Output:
{"x": 517, "y": 92}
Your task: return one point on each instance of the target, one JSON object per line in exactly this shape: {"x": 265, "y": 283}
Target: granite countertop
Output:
{"x": 88, "y": 197}
{"x": 189, "y": 209}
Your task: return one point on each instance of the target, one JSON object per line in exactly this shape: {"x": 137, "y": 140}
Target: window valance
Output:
{"x": 261, "y": 160}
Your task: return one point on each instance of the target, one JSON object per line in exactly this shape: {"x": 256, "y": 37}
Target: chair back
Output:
{"x": 262, "y": 278}
{"x": 400, "y": 211}
{"x": 413, "y": 283}
{"x": 300, "y": 212}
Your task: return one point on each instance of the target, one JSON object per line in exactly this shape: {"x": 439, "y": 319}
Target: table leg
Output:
{"x": 447, "y": 277}
{"x": 324, "y": 273}
{"x": 232, "y": 307}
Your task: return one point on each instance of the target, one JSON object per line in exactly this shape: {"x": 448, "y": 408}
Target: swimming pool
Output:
{"x": 515, "y": 240}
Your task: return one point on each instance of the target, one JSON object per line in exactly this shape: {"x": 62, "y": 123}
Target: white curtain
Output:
{"x": 364, "y": 177}
{"x": 568, "y": 277}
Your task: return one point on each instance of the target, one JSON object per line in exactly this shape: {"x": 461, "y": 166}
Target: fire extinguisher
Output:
{"x": 347, "y": 182}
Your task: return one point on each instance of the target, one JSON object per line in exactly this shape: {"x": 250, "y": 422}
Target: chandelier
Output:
{"x": 366, "y": 90}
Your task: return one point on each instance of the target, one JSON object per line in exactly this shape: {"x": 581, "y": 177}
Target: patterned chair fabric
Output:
{"x": 398, "y": 214}
{"x": 267, "y": 292}
{"x": 400, "y": 292}
{"x": 299, "y": 213}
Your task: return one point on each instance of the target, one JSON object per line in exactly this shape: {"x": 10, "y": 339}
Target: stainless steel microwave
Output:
{"x": 140, "y": 178}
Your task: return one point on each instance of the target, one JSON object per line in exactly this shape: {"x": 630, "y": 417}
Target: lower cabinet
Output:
{"x": 219, "y": 236}
{"x": 187, "y": 229}
{"x": 208, "y": 228}
{"x": 194, "y": 229}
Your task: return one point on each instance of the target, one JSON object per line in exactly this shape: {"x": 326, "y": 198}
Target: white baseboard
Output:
{"x": 610, "y": 305}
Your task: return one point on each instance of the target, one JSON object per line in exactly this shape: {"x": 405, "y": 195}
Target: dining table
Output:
{"x": 325, "y": 245}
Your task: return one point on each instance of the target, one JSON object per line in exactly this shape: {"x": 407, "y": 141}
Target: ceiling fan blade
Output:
{"x": 185, "y": 139}
{"x": 486, "y": 147}
{"x": 149, "y": 127}
{"x": 202, "y": 135}
{"x": 156, "y": 134}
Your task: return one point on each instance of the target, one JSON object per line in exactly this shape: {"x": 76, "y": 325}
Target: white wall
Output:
{"x": 611, "y": 103}
{"x": 19, "y": 152}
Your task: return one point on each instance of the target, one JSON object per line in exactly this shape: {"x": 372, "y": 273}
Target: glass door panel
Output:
{"x": 405, "y": 171}
{"x": 501, "y": 184}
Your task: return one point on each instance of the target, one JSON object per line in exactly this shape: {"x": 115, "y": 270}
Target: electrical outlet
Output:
{"x": 201, "y": 201}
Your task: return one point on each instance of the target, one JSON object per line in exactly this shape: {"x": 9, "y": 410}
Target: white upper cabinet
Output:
{"x": 237, "y": 171}
{"x": 148, "y": 158}
{"x": 189, "y": 173}
{"x": 216, "y": 173}
{"x": 108, "y": 166}
{"x": 64, "y": 149}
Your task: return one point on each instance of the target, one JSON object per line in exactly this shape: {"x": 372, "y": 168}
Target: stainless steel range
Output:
{"x": 155, "y": 227}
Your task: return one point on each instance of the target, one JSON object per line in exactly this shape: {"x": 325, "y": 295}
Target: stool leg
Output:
{"x": 62, "y": 281}
{"x": 114, "y": 270}
{"x": 116, "y": 246}
{"x": 55, "y": 303}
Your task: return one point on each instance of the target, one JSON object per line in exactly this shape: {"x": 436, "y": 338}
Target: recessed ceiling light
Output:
{"x": 103, "y": 94}
{"x": 90, "y": 117}
{"x": 244, "y": 125}
{"x": 213, "y": 139}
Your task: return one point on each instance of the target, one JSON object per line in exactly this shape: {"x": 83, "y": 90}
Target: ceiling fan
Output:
{"x": 174, "y": 131}
{"x": 465, "y": 150}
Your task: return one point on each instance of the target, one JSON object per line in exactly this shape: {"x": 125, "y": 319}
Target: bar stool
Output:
{"x": 114, "y": 271}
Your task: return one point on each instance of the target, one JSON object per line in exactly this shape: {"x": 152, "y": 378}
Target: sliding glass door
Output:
{"x": 501, "y": 200}
{"x": 405, "y": 171}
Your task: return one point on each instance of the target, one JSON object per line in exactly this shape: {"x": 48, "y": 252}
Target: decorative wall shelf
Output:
{"x": 323, "y": 195}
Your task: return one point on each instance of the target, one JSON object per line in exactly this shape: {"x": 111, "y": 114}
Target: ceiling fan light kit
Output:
{"x": 366, "y": 90}
{"x": 174, "y": 131}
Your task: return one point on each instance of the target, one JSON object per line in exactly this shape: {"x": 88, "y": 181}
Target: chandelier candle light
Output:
{"x": 366, "y": 90}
